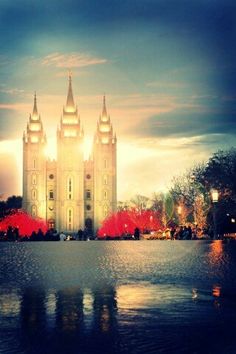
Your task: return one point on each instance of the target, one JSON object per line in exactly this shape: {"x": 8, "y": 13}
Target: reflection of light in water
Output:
{"x": 51, "y": 309}
{"x": 88, "y": 309}
{"x": 105, "y": 319}
{"x": 9, "y": 304}
{"x": 216, "y": 290}
{"x": 215, "y": 255}
{"x": 88, "y": 303}
{"x": 130, "y": 296}
{"x": 206, "y": 295}
{"x": 69, "y": 307}
{"x": 135, "y": 296}
{"x": 51, "y": 304}
{"x": 194, "y": 294}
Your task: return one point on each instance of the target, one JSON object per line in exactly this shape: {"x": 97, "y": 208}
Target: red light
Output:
{"x": 124, "y": 222}
{"x": 24, "y": 222}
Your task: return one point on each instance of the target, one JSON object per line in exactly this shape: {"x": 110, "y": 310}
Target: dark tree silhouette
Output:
{"x": 11, "y": 204}
{"x": 14, "y": 202}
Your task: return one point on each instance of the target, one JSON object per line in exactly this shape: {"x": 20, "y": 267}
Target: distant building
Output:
{"x": 69, "y": 193}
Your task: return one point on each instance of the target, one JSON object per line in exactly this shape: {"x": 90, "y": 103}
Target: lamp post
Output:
{"x": 215, "y": 198}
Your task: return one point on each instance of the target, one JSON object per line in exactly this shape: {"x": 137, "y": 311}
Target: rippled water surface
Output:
{"x": 118, "y": 297}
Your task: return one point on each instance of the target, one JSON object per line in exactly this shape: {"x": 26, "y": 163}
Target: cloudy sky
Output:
{"x": 168, "y": 68}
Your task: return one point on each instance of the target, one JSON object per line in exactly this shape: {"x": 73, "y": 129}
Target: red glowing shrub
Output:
{"x": 24, "y": 222}
{"x": 124, "y": 222}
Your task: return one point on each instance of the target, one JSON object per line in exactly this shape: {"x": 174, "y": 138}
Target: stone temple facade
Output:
{"x": 70, "y": 193}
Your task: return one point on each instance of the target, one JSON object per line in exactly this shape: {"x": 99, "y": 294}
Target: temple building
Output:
{"x": 70, "y": 193}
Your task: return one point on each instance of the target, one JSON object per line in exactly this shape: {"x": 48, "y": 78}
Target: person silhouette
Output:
{"x": 136, "y": 233}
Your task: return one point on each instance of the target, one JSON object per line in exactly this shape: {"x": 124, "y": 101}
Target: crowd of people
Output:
{"x": 187, "y": 232}
{"x": 173, "y": 233}
{"x": 183, "y": 233}
{"x": 13, "y": 234}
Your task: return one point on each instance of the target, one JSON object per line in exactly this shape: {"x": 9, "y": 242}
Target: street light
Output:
{"x": 214, "y": 195}
{"x": 214, "y": 198}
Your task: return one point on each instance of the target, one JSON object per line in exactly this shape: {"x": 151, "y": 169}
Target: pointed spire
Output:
{"x": 70, "y": 98}
{"x": 104, "y": 109}
{"x": 35, "y": 109}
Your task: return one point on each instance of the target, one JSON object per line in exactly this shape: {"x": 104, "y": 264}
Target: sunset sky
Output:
{"x": 168, "y": 69}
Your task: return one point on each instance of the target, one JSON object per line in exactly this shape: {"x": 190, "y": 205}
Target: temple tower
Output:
{"x": 104, "y": 158}
{"x": 70, "y": 169}
{"x": 34, "y": 166}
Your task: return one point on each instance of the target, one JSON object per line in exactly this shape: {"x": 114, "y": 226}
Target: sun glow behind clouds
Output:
{"x": 51, "y": 148}
{"x": 87, "y": 147}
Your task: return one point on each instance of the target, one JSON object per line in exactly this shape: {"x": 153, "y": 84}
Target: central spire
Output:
{"x": 35, "y": 109}
{"x": 70, "y": 99}
{"x": 104, "y": 109}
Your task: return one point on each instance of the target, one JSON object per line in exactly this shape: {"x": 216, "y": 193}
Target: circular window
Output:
{"x": 88, "y": 207}
{"x": 88, "y": 176}
{"x": 50, "y": 208}
{"x": 51, "y": 176}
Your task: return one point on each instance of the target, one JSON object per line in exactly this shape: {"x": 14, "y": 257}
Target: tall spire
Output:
{"x": 70, "y": 99}
{"x": 104, "y": 109}
{"x": 35, "y": 109}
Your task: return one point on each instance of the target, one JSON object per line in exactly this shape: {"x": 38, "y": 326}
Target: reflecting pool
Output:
{"x": 118, "y": 297}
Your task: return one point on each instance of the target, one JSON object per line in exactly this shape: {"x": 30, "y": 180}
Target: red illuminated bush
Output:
{"x": 24, "y": 222}
{"x": 124, "y": 222}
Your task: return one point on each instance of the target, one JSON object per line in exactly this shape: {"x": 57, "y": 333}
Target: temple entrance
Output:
{"x": 51, "y": 224}
{"x": 89, "y": 226}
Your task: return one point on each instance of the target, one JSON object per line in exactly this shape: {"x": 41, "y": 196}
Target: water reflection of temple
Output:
{"x": 67, "y": 328}
{"x": 69, "y": 310}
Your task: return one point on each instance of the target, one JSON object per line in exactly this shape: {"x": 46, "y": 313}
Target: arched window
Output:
{"x": 34, "y": 194}
{"x": 105, "y": 163}
{"x": 105, "y": 180}
{"x": 70, "y": 219}
{"x": 105, "y": 211}
{"x": 34, "y": 179}
{"x": 88, "y": 194}
{"x": 70, "y": 188}
{"x": 34, "y": 211}
{"x": 51, "y": 195}
{"x": 34, "y": 163}
{"x": 105, "y": 194}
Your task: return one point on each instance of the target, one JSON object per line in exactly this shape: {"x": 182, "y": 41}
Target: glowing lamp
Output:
{"x": 214, "y": 195}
